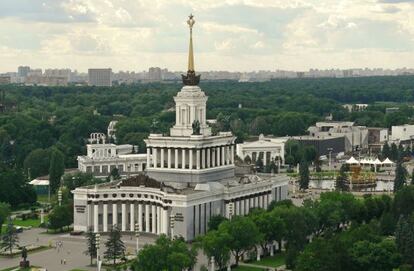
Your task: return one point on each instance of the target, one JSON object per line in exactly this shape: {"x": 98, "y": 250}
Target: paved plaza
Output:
{"x": 72, "y": 250}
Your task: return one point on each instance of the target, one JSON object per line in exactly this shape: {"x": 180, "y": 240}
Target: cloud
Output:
{"x": 229, "y": 34}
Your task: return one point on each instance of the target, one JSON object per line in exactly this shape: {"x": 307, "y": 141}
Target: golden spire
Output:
{"x": 191, "y": 23}
{"x": 191, "y": 79}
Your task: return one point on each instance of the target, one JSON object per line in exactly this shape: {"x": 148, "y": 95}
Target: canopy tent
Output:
{"x": 388, "y": 162}
{"x": 377, "y": 162}
{"x": 352, "y": 161}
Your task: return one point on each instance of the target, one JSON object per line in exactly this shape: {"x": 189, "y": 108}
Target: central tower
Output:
{"x": 190, "y": 154}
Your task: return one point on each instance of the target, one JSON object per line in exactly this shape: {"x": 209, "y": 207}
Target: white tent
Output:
{"x": 377, "y": 162}
{"x": 352, "y": 161}
{"x": 387, "y": 162}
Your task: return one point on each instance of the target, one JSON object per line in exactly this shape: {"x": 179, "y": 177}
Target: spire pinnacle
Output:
{"x": 191, "y": 79}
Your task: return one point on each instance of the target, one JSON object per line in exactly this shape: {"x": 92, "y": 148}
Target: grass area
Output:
{"x": 275, "y": 261}
{"x": 246, "y": 268}
{"x": 27, "y": 223}
{"x": 43, "y": 198}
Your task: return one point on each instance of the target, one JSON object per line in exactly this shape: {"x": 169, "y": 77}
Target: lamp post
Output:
{"x": 172, "y": 222}
{"x": 330, "y": 157}
{"x": 137, "y": 236}
{"x": 231, "y": 210}
{"x": 97, "y": 243}
{"x": 60, "y": 196}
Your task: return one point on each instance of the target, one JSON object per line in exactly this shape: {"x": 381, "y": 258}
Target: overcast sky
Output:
{"x": 235, "y": 35}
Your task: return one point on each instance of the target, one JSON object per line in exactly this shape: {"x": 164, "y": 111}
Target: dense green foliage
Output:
{"x": 336, "y": 232}
{"x": 9, "y": 239}
{"x": 165, "y": 255}
{"x": 115, "y": 247}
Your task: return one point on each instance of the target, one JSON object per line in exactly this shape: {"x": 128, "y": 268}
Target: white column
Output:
{"x": 147, "y": 218}
{"x": 222, "y": 156}
{"x": 227, "y": 155}
{"x": 123, "y": 216}
{"x": 176, "y": 158}
{"x": 264, "y": 158}
{"x": 162, "y": 157}
{"x": 213, "y": 157}
{"x": 247, "y": 203}
{"x": 105, "y": 217}
{"x": 241, "y": 207}
{"x": 203, "y": 158}
{"x": 198, "y": 159}
{"x": 154, "y": 157}
{"x": 148, "y": 157}
{"x": 95, "y": 217}
{"x": 169, "y": 158}
{"x": 183, "y": 159}
{"x": 218, "y": 162}
{"x": 132, "y": 217}
{"x": 165, "y": 222}
{"x": 114, "y": 214}
{"x": 237, "y": 207}
{"x": 208, "y": 157}
{"x": 232, "y": 154}
{"x": 256, "y": 202}
{"x": 191, "y": 158}
{"x": 159, "y": 220}
{"x": 141, "y": 226}
{"x": 154, "y": 219}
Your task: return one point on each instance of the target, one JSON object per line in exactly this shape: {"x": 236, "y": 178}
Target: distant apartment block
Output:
{"x": 5, "y": 79}
{"x": 100, "y": 77}
{"x": 23, "y": 71}
{"x": 41, "y": 80}
{"x": 154, "y": 74}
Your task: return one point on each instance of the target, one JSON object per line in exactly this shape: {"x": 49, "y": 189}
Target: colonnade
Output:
{"x": 254, "y": 155}
{"x": 192, "y": 158}
{"x": 241, "y": 206}
{"x": 151, "y": 217}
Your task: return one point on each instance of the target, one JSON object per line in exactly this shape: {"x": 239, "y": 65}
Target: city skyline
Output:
{"x": 233, "y": 35}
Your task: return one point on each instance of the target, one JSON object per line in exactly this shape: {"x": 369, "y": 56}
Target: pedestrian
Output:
{"x": 64, "y": 261}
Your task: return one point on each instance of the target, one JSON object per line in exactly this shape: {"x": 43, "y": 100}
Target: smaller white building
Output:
{"x": 402, "y": 133}
{"x": 102, "y": 158}
{"x": 269, "y": 148}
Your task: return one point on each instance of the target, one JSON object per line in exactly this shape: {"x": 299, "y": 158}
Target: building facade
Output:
{"x": 103, "y": 157}
{"x": 356, "y": 137}
{"x": 190, "y": 177}
{"x": 100, "y": 77}
{"x": 267, "y": 148}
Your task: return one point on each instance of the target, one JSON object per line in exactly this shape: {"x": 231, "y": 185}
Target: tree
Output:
{"x": 4, "y": 213}
{"x": 404, "y": 237}
{"x": 114, "y": 175}
{"x": 243, "y": 234}
{"x": 216, "y": 244}
{"x": 165, "y": 254}
{"x": 303, "y": 175}
{"x": 386, "y": 151}
{"x": 60, "y": 217}
{"x": 370, "y": 256}
{"x": 91, "y": 244}
{"x": 56, "y": 169}
{"x": 404, "y": 202}
{"x": 341, "y": 183}
{"x": 10, "y": 238}
{"x": 37, "y": 163}
{"x": 115, "y": 247}
{"x": 412, "y": 177}
{"x": 400, "y": 176}
{"x": 215, "y": 222}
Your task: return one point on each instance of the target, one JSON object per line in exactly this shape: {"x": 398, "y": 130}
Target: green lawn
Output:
{"x": 43, "y": 198}
{"x": 27, "y": 223}
{"x": 275, "y": 261}
{"x": 246, "y": 268}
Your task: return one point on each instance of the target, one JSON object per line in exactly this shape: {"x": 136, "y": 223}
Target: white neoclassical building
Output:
{"x": 267, "y": 148}
{"x": 101, "y": 158}
{"x": 190, "y": 177}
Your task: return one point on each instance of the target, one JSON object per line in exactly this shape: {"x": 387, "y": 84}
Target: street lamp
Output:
{"x": 330, "y": 157}
{"x": 172, "y": 222}
{"x": 60, "y": 196}
{"x": 97, "y": 243}
{"x": 137, "y": 235}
